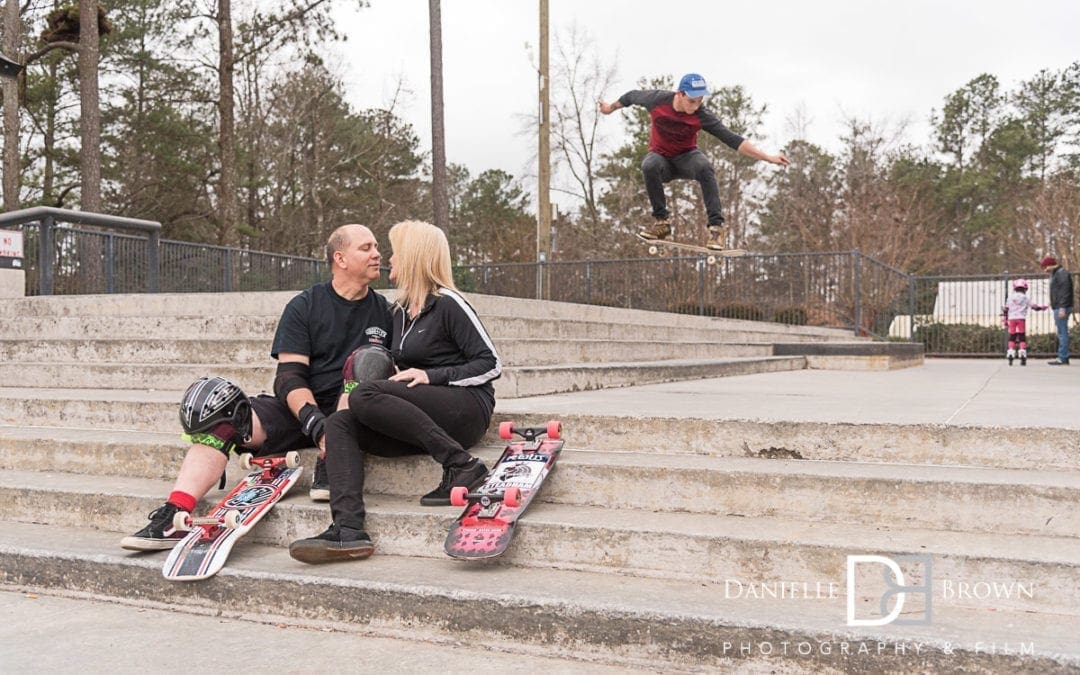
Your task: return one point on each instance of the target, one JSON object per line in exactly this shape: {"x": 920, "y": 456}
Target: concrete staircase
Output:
{"x": 655, "y": 541}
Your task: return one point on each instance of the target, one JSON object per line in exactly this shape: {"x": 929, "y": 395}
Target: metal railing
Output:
{"x": 962, "y": 315}
{"x": 951, "y": 316}
{"x": 95, "y": 257}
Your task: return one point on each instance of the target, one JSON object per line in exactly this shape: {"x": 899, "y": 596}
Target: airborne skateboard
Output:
{"x": 485, "y": 528}
{"x": 203, "y": 551}
{"x": 655, "y": 248}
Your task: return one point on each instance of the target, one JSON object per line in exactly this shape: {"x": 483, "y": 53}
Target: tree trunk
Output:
{"x": 10, "y": 87}
{"x": 440, "y": 199}
{"x": 89, "y": 106}
{"x": 227, "y": 203}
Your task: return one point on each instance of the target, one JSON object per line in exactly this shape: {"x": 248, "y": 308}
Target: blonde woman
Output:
{"x": 438, "y": 403}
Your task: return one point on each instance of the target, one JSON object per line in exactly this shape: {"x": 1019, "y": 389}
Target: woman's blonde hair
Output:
{"x": 422, "y": 262}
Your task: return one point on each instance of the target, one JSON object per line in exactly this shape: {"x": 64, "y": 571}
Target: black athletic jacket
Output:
{"x": 447, "y": 340}
{"x": 1061, "y": 289}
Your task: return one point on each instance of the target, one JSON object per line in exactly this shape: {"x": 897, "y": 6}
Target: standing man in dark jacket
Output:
{"x": 1061, "y": 303}
{"x": 677, "y": 116}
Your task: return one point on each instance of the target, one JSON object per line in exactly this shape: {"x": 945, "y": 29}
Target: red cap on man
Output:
{"x": 1049, "y": 261}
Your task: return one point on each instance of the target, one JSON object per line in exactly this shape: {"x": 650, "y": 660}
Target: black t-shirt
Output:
{"x": 326, "y": 328}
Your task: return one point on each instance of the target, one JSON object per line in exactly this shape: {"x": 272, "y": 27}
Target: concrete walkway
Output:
{"x": 975, "y": 392}
{"x": 50, "y": 634}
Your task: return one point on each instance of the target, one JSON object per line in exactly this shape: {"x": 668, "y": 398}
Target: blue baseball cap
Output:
{"x": 693, "y": 85}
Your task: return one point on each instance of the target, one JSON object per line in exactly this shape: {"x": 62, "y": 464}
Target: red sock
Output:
{"x": 182, "y": 501}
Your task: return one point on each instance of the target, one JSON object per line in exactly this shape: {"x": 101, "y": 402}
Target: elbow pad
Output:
{"x": 290, "y": 377}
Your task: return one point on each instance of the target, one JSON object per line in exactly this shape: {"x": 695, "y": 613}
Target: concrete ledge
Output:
{"x": 683, "y": 623}
{"x": 854, "y": 355}
{"x": 12, "y": 283}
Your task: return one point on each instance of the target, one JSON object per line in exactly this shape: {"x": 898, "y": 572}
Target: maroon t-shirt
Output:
{"x": 673, "y": 132}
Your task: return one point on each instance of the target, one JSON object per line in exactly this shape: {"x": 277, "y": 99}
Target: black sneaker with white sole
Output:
{"x": 159, "y": 534}
{"x": 336, "y": 543}
{"x": 470, "y": 475}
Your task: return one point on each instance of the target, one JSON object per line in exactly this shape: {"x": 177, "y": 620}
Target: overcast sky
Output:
{"x": 888, "y": 61}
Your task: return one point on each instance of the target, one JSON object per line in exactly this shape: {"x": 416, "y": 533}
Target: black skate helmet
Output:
{"x": 368, "y": 362}
{"x": 210, "y": 401}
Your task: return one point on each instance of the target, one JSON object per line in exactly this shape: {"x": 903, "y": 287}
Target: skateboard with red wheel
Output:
{"x": 485, "y": 528}
{"x": 203, "y": 552}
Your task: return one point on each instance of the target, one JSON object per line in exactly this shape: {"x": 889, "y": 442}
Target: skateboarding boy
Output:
{"x": 677, "y": 116}
{"x": 318, "y": 330}
{"x": 1015, "y": 313}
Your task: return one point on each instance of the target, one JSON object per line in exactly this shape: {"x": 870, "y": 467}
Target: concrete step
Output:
{"x": 514, "y": 382}
{"x": 93, "y": 629}
{"x": 1038, "y": 449}
{"x": 1027, "y": 448}
{"x": 690, "y": 624}
{"x": 270, "y": 304}
{"x": 694, "y": 547}
{"x": 537, "y": 380}
{"x": 940, "y": 498}
{"x": 231, "y": 326}
{"x": 256, "y": 352}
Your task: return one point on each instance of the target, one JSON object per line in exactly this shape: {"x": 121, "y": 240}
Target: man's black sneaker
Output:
{"x": 337, "y": 543}
{"x": 320, "y": 484}
{"x": 471, "y": 476}
{"x": 159, "y": 534}
{"x": 1059, "y": 362}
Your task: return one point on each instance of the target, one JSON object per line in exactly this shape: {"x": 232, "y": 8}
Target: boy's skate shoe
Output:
{"x": 659, "y": 230}
{"x": 337, "y": 543}
{"x": 159, "y": 534}
{"x": 1023, "y": 358}
{"x": 717, "y": 238}
{"x": 320, "y": 484}
{"x": 471, "y": 475}
{"x": 1010, "y": 354}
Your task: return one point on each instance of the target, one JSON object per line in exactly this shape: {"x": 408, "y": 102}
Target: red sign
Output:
{"x": 11, "y": 244}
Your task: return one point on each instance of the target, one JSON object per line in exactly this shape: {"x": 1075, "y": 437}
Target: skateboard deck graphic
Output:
{"x": 203, "y": 552}
{"x": 486, "y": 527}
{"x": 656, "y": 247}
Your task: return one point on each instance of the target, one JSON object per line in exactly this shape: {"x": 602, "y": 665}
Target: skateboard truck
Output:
{"x": 511, "y": 497}
{"x": 185, "y": 522}
{"x": 248, "y": 462}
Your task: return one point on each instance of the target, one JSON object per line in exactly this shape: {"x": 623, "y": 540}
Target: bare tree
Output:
{"x": 227, "y": 201}
{"x": 11, "y": 46}
{"x": 89, "y": 106}
{"x": 440, "y": 201}
{"x": 579, "y": 81}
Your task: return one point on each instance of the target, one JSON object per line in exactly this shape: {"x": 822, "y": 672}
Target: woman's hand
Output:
{"x": 413, "y": 376}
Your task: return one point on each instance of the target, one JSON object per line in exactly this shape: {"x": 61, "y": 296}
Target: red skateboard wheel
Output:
{"x": 554, "y": 430}
{"x": 512, "y": 497}
{"x": 457, "y": 496}
{"x": 506, "y": 430}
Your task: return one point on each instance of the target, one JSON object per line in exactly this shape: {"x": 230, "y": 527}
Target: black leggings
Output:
{"x": 389, "y": 419}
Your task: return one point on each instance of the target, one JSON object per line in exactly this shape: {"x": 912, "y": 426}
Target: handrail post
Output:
{"x": 45, "y": 255}
{"x": 911, "y": 305}
{"x": 227, "y": 280}
{"x": 110, "y": 264}
{"x": 153, "y": 260}
{"x": 858, "y": 290}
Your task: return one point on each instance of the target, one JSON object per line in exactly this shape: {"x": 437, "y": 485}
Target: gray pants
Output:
{"x": 692, "y": 165}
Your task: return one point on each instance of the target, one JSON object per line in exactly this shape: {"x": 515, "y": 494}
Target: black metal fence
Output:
{"x": 951, "y": 316}
{"x": 962, "y": 315}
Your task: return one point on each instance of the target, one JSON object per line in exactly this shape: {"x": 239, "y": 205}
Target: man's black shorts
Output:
{"x": 283, "y": 432}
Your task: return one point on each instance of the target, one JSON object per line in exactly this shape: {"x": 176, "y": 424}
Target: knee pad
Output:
{"x": 215, "y": 412}
{"x": 367, "y": 363}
